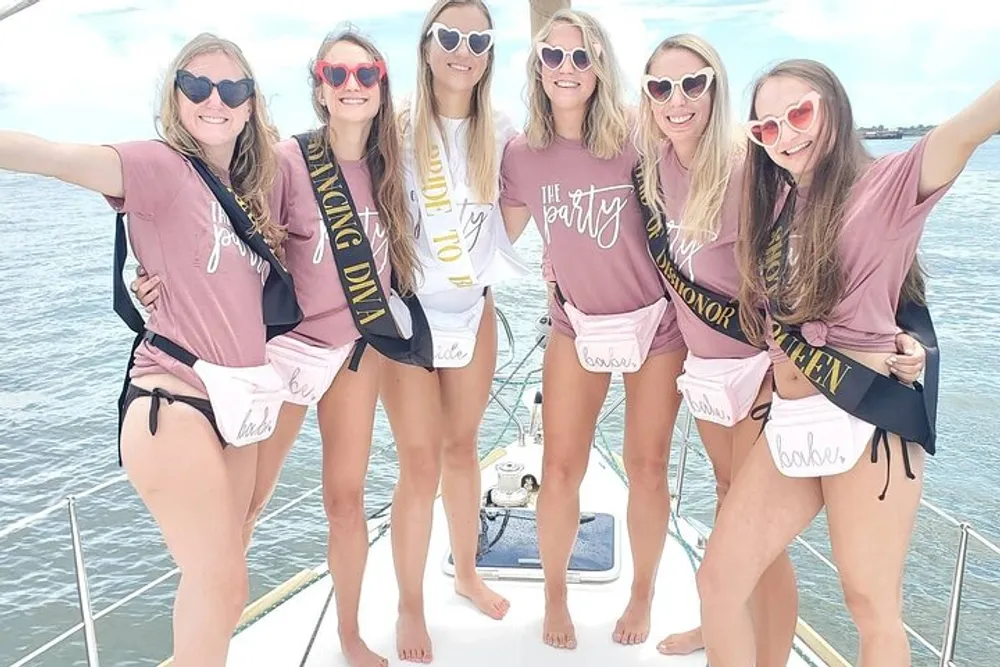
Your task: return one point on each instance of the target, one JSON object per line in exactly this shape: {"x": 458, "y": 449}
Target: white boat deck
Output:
{"x": 461, "y": 635}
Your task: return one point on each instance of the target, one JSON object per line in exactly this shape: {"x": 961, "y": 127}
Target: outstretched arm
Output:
{"x": 97, "y": 168}
{"x": 951, "y": 144}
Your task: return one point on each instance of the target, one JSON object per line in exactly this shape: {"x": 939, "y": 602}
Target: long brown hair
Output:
{"x": 254, "y": 165}
{"x": 384, "y": 158}
{"x": 482, "y": 159}
{"x": 818, "y": 282}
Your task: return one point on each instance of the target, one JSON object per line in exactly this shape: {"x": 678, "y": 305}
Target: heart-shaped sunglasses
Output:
{"x": 336, "y": 74}
{"x": 448, "y": 38}
{"x": 199, "y": 88}
{"x": 553, "y": 57}
{"x": 660, "y": 89}
{"x": 799, "y": 117}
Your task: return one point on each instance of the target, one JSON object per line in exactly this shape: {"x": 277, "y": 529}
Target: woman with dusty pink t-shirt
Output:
{"x": 813, "y": 188}
{"x": 192, "y": 465}
{"x": 572, "y": 174}
{"x": 325, "y": 361}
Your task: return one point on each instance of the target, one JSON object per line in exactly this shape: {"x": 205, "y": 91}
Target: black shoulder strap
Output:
{"x": 356, "y": 266}
{"x": 715, "y": 310}
{"x": 851, "y": 386}
{"x": 281, "y": 309}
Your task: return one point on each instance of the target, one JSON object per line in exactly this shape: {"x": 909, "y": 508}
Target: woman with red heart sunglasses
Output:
{"x": 816, "y": 200}
{"x": 197, "y": 205}
{"x": 454, "y": 140}
{"x": 356, "y": 158}
{"x": 693, "y": 169}
{"x": 572, "y": 173}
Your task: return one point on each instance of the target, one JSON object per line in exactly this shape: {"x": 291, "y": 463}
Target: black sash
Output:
{"x": 719, "y": 312}
{"x": 875, "y": 398}
{"x": 281, "y": 309}
{"x": 356, "y": 268}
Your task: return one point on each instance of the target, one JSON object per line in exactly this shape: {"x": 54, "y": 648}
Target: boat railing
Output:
{"x": 88, "y": 617}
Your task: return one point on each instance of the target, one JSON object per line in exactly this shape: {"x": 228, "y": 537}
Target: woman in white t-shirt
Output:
{"x": 454, "y": 142}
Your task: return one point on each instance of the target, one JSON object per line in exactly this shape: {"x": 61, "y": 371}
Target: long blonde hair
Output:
{"x": 718, "y": 150}
{"x": 482, "y": 160}
{"x": 606, "y": 124}
{"x": 384, "y": 158}
{"x": 254, "y": 166}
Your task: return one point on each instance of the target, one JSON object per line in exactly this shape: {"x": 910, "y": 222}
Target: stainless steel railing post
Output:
{"x": 955, "y": 601}
{"x": 89, "y": 634}
{"x": 681, "y": 465}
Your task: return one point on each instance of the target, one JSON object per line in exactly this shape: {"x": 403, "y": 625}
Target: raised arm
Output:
{"x": 97, "y": 168}
{"x": 951, "y": 144}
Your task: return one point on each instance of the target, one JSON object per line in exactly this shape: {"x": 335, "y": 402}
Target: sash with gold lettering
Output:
{"x": 877, "y": 399}
{"x": 719, "y": 312}
{"x": 441, "y": 219}
{"x": 372, "y": 311}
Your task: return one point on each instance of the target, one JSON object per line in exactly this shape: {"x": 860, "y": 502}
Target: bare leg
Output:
{"x": 573, "y": 399}
{"x": 411, "y": 397}
{"x": 346, "y": 418}
{"x": 870, "y": 539}
{"x": 651, "y": 404}
{"x": 464, "y": 395}
{"x": 748, "y": 536}
{"x": 199, "y": 495}
{"x": 271, "y": 454}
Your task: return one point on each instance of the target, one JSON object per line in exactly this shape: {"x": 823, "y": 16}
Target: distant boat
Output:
{"x": 881, "y": 134}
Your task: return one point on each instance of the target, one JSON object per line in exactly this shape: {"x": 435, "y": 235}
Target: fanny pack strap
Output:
{"x": 355, "y": 263}
{"x": 853, "y": 387}
{"x": 715, "y": 310}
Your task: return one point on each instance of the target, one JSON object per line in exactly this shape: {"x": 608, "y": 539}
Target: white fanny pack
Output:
{"x": 615, "y": 343}
{"x": 454, "y": 334}
{"x": 812, "y": 437}
{"x": 722, "y": 391}
{"x": 306, "y": 370}
{"x": 246, "y": 401}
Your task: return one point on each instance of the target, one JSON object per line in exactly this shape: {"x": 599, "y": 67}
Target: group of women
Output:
{"x": 760, "y": 274}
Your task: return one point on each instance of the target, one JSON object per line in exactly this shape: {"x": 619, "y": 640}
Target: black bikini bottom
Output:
{"x": 202, "y": 405}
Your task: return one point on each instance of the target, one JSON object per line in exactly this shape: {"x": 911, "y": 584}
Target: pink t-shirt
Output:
{"x": 708, "y": 261}
{"x": 326, "y": 319}
{"x": 882, "y": 227}
{"x": 179, "y": 232}
{"x": 591, "y": 227}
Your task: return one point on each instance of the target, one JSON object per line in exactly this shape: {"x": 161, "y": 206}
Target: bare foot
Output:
{"x": 359, "y": 655}
{"x": 485, "y": 598}
{"x": 412, "y": 641}
{"x": 557, "y": 628}
{"x": 682, "y": 643}
{"x": 633, "y": 626}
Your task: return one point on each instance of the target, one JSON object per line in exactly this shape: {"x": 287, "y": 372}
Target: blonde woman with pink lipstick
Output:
{"x": 572, "y": 172}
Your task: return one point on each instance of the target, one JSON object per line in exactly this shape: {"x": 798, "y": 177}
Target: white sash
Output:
{"x": 442, "y": 222}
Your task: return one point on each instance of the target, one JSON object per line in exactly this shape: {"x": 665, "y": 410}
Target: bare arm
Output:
{"x": 951, "y": 144}
{"x": 96, "y": 168}
{"x": 515, "y": 219}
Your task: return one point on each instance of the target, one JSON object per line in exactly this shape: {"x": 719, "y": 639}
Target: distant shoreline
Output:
{"x": 883, "y": 132}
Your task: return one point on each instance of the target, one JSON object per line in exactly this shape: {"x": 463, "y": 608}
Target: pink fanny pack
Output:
{"x": 812, "y": 437}
{"x": 245, "y": 400}
{"x": 454, "y": 334}
{"x": 615, "y": 343}
{"x": 722, "y": 390}
{"x": 306, "y": 370}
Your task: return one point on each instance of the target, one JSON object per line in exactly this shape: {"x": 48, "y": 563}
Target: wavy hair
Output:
{"x": 606, "y": 124}
{"x": 254, "y": 165}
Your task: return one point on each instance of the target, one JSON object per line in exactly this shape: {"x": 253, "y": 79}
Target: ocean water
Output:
{"x": 64, "y": 352}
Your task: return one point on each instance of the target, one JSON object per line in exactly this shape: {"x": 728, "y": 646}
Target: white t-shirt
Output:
{"x": 492, "y": 256}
